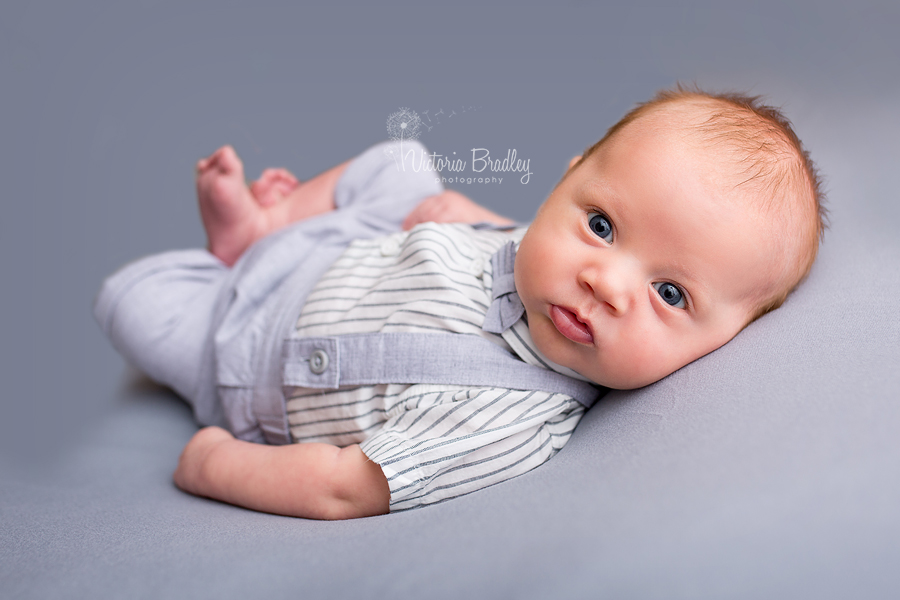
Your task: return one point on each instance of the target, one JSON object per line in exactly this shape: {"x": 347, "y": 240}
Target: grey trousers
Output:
{"x": 214, "y": 334}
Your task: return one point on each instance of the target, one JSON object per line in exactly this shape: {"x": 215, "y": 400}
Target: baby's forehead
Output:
{"x": 681, "y": 144}
{"x": 738, "y": 152}
{"x": 714, "y": 126}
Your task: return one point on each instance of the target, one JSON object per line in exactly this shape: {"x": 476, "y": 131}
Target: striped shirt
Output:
{"x": 433, "y": 442}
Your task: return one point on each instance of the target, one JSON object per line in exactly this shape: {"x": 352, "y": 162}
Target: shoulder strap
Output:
{"x": 438, "y": 358}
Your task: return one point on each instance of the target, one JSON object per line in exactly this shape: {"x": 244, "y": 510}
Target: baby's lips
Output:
{"x": 570, "y": 326}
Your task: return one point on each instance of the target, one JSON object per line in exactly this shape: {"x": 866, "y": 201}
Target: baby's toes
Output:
{"x": 227, "y": 161}
{"x": 283, "y": 188}
{"x": 272, "y": 186}
{"x": 202, "y": 165}
{"x": 281, "y": 178}
{"x": 266, "y": 179}
{"x": 285, "y": 178}
{"x": 260, "y": 189}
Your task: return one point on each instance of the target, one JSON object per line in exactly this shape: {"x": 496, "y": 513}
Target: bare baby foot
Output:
{"x": 231, "y": 215}
{"x": 273, "y": 186}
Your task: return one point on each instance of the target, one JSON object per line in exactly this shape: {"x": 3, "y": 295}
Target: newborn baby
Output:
{"x": 346, "y": 368}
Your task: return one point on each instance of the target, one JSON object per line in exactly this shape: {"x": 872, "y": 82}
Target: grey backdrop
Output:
{"x": 769, "y": 469}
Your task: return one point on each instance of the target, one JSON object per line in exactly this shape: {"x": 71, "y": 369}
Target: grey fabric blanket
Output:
{"x": 767, "y": 469}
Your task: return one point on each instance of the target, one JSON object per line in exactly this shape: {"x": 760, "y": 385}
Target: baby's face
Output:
{"x": 640, "y": 261}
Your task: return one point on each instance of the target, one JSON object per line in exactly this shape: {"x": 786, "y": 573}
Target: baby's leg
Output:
{"x": 159, "y": 313}
{"x": 232, "y": 217}
{"x": 301, "y": 200}
{"x": 235, "y": 215}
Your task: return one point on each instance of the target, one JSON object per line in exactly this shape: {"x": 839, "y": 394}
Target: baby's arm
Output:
{"x": 316, "y": 481}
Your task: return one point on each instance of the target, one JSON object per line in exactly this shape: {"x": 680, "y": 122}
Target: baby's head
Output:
{"x": 693, "y": 216}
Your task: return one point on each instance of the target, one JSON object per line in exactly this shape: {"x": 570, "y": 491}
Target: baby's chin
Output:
{"x": 566, "y": 354}
{"x": 631, "y": 383}
{"x": 612, "y": 376}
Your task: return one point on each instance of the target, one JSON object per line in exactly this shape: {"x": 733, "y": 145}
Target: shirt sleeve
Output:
{"x": 387, "y": 181}
{"x": 440, "y": 442}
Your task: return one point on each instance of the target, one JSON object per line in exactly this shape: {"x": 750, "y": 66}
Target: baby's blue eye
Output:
{"x": 601, "y": 226}
{"x": 670, "y": 294}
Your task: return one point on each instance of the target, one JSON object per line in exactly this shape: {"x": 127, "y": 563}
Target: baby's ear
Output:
{"x": 575, "y": 160}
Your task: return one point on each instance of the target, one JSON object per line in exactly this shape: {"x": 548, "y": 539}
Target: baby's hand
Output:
{"x": 189, "y": 475}
{"x": 451, "y": 207}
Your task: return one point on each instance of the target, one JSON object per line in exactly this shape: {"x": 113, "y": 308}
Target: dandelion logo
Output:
{"x": 403, "y": 125}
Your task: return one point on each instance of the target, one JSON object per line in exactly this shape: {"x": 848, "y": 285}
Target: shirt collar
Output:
{"x": 506, "y": 307}
{"x": 505, "y": 315}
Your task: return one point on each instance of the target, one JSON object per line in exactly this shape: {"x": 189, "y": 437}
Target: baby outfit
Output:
{"x": 340, "y": 329}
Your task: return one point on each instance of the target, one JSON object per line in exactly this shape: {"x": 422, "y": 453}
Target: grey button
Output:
{"x": 318, "y": 362}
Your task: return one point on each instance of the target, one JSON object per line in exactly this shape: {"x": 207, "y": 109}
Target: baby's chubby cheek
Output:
{"x": 614, "y": 362}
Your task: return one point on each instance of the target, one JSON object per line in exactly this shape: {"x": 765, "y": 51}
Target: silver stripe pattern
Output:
{"x": 432, "y": 442}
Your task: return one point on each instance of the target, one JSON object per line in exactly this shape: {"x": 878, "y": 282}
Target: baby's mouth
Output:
{"x": 568, "y": 324}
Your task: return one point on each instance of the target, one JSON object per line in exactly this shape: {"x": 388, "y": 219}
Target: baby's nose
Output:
{"x": 614, "y": 284}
